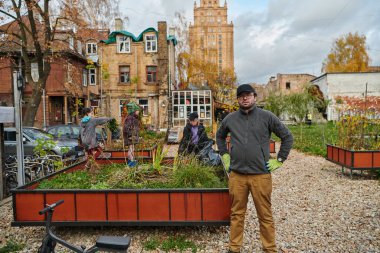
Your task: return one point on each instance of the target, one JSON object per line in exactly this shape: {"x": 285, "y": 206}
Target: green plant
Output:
{"x": 12, "y": 246}
{"x": 151, "y": 244}
{"x": 314, "y": 137}
{"x": 275, "y": 103}
{"x": 358, "y": 132}
{"x": 159, "y": 156}
{"x": 190, "y": 173}
{"x": 112, "y": 125}
{"x": 180, "y": 243}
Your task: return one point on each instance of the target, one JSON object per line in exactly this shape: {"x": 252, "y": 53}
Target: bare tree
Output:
{"x": 31, "y": 32}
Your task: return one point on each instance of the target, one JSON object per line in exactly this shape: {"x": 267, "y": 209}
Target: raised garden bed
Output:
{"x": 354, "y": 159}
{"x": 142, "y": 151}
{"x": 121, "y": 207}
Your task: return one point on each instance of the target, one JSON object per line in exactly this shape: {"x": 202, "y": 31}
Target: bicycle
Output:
{"x": 104, "y": 243}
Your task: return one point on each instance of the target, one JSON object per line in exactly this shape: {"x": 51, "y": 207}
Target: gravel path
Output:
{"x": 316, "y": 209}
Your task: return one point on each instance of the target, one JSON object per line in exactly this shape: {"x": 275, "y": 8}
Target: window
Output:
{"x": 151, "y": 74}
{"x": 123, "y": 44}
{"x": 124, "y": 74}
{"x": 9, "y": 135}
{"x": 92, "y": 74}
{"x": 95, "y": 106}
{"x": 288, "y": 85}
{"x": 71, "y": 43}
{"x": 143, "y": 103}
{"x": 84, "y": 77}
{"x": 91, "y": 48}
{"x": 34, "y": 71}
{"x": 150, "y": 43}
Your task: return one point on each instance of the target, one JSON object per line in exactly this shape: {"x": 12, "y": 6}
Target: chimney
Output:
{"x": 162, "y": 50}
{"x": 118, "y": 24}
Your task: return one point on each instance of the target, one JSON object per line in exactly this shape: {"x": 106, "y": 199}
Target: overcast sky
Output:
{"x": 275, "y": 36}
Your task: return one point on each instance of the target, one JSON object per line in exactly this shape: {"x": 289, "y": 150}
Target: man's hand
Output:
{"x": 273, "y": 165}
{"x": 226, "y": 161}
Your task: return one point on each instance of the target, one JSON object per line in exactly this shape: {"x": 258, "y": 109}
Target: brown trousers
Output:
{"x": 260, "y": 187}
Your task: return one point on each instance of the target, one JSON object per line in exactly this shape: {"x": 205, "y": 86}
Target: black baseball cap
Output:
{"x": 245, "y": 88}
{"x": 193, "y": 116}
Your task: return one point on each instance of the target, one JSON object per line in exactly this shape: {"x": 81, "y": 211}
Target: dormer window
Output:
{"x": 150, "y": 43}
{"x": 123, "y": 44}
{"x": 91, "y": 48}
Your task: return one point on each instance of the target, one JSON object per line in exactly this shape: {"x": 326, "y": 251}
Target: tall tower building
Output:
{"x": 211, "y": 36}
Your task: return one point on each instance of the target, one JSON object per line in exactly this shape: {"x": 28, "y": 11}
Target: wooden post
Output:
{"x": 76, "y": 111}
{"x": 65, "y": 109}
{"x": 2, "y": 172}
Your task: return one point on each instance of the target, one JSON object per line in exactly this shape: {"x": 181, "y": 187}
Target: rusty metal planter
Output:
{"x": 124, "y": 207}
{"x": 354, "y": 159}
{"x": 139, "y": 153}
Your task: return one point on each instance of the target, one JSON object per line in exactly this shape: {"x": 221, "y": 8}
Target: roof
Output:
{"x": 112, "y": 37}
{"x": 344, "y": 73}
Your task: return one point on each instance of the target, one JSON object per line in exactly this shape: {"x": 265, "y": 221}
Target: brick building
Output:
{"x": 139, "y": 69}
{"x": 288, "y": 83}
{"x": 211, "y": 36}
{"x": 67, "y": 81}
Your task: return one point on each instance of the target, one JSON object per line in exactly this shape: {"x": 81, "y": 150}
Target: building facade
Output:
{"x": 139, "y": 69}
{"x": 288, "y": 83}
{"x": 211, "y": 36}
{"x": 68, "y": 86}
{"x": 359, "y": 89}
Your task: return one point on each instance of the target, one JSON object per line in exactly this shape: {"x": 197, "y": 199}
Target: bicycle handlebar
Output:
{"x": 51, "y": 207}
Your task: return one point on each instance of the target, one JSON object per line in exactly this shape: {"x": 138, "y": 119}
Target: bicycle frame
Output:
{"x": 51, "y": 237}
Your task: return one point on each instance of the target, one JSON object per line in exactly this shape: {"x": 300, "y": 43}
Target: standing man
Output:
{"x": 194, "y": 136}
{"x": 250, "y": 164}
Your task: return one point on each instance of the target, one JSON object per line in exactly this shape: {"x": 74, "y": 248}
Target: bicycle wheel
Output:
{"x": 10, "y": 183}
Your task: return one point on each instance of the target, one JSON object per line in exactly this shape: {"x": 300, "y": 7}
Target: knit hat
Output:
{"x": 132, "y": 107}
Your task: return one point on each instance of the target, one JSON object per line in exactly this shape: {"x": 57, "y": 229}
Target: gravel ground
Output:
{"x": 316, "y": 209}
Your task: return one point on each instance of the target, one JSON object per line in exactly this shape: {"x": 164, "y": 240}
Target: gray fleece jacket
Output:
{"x": 87, "y": 131}
{"x": 250, "y": 136}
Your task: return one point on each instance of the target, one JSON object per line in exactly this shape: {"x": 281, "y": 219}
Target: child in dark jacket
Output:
{"x": 194, "y": 136}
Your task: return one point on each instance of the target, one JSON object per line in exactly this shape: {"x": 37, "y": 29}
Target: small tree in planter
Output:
{"x": 358, "y": 145}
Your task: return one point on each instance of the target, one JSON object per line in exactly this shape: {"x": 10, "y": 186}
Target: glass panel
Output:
{"x": 208, "y": 112}
{"x": 188, "y": 111}
{"x": 176, "y": 112}
{"x": 181, "y": 112}
{"x": 10, "y": 135}
{"x": 201, "y": 99}
{"x": 202, "y": 112}
{"x": 195, "y": 98}
{"x": 195, "y": 108}
{"x": 182, "y": 98}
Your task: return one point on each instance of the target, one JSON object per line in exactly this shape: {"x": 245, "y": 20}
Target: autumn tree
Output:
{"x": 32, "y": 29}
{"x": 348, "y": 54}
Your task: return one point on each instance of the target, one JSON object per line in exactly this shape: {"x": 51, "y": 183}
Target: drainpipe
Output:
{"x": 44, "y": 106}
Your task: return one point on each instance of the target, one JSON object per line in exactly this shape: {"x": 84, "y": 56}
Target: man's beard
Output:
{"x": 243, "y": 107}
